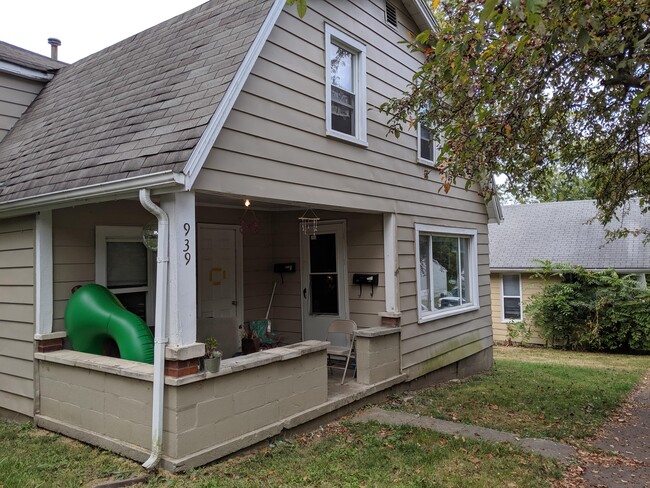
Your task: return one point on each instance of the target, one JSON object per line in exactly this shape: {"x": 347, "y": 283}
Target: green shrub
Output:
{"x": 596, "y": 311}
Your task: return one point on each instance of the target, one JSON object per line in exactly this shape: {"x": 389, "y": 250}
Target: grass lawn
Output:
{"x": 545, "y": 393}
{"x": 533, "y": 392}
{"x": 340, "y": 455}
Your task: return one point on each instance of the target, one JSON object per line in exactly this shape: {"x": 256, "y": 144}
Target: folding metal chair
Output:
{"x": 345, "y": 331}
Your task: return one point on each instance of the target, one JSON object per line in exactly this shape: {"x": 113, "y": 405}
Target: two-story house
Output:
{"x": 249, "y": 138}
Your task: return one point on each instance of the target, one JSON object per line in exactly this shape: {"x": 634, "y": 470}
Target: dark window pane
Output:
{"x": 511, "y": 309}
{"x": 322, "y": 253}
{"x": 126, "y": 264}
{"x": 135, "y": 303}
{"x": 342, "y": 111}
{"x": 324, "y": 294}
{"x": 426, "y": 144}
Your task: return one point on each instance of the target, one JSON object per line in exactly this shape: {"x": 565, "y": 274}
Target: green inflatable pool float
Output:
{"x": 94, "y": 315}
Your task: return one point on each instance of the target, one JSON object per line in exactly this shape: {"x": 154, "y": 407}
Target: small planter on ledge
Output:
{"x": 212, "y": 359}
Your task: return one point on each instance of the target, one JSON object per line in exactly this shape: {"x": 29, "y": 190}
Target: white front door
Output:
{"x": 324, "y": 279}
{"x": 220, "y": 287}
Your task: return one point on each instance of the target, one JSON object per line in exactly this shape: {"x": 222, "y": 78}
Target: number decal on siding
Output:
{"x": 188, "y": 256}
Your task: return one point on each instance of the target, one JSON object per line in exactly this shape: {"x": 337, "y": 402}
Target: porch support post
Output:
{"x": 391, "y": 270}
{"x": 43, "y": 281}
{"x": 181, "y": 312}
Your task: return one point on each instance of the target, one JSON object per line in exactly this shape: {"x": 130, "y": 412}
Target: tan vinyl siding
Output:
{"x": 273, "y": 145}
{"x": 437, "y": 343}
{"x": 529, "y": 286}
{"x": 16, "y": 94}
{"x": 17, "y": 315}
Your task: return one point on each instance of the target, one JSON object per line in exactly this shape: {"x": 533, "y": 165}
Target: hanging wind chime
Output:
{"x": 309, "y": 222}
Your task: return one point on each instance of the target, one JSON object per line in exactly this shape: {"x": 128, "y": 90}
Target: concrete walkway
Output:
{"x": 546, "y": 448}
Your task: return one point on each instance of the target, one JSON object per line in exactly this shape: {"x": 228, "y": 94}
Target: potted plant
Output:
{"x": 212, "y": 358}
{"x": 250, "y": 343}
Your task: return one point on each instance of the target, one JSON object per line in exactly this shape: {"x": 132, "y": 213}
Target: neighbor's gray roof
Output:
{"x": 27, "y": 59}
{"x": 136, "y": 108}
{"x": 560, "y": 233}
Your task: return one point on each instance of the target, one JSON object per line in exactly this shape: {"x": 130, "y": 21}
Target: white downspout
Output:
{"x": 162, "y": 269}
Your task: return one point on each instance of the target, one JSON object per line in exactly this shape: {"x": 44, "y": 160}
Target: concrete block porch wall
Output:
{"x": 107, "y": 401}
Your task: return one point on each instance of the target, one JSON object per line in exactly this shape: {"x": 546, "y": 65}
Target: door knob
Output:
{"x": 304, "y": 292}
{"x": 234, "y": 302}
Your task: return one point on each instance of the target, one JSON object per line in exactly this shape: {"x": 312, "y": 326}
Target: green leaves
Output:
{"x": 569, "y": 79}
{"x": 301, "y": 6}
{"x": 598, "y": 311}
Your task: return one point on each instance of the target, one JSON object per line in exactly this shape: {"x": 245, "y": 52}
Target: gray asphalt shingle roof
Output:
{"x": 27, "y": 59}
{"x": 136, "y": 108}
{"x": 560, "y": 232}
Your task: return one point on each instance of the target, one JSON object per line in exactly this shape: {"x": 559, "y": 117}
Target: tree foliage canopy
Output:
{"x": 526, "y": 88}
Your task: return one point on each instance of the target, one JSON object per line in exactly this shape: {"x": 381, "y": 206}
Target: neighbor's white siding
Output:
{"x": 17, "y": 315}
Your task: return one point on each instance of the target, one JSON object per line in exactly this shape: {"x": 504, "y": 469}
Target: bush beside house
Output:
{"x": 595, "y": 311}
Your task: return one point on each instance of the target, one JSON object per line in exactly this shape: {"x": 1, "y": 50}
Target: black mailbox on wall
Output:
{"x": 365, "y": 279}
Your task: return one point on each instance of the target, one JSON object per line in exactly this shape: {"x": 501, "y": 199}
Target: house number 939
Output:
{"x": 186, "y": 243}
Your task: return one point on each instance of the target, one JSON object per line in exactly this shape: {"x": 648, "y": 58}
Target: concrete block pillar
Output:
{"x": 378, "y": 354}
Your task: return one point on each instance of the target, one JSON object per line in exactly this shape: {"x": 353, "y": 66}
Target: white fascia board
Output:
{"x": 21, "y": 71}
{"x": 425, "y": 13}
{"x": 203, "y": 147}
{"x": 165, "y": 180}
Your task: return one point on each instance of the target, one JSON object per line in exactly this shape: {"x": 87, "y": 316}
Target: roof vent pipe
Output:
{"x": 55, "y": 43}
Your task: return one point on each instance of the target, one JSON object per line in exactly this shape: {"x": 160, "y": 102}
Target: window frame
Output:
{"x": 504, "y": 296}
{"x": 334, "y": 36}
{"x": 436, "y": 148}
{"x": 472, "y": 257}
{"x": 123, "y": 233}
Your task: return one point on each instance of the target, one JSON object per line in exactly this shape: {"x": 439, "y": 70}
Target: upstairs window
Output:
{"x": 345, "y": 69}
{"x": 428, "y": 146}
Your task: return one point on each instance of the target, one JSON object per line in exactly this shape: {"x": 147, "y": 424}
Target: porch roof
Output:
{"x": 136, "y": 108}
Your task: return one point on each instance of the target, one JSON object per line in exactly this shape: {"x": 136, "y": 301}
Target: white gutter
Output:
{"x": 162, "y": 270}
{"x": 92, "y": 193}
{"x": 21, "y": 71}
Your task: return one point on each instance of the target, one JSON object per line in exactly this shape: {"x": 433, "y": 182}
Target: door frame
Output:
{"x": 342, "y": 262}
{"x": 239, "y": 265}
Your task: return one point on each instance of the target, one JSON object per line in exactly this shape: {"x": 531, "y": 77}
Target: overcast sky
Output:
{"x": 83, "y": 26}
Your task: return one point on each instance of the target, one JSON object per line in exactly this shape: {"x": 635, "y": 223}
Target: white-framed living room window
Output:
{"x": 447, "y": 271}
{"x": 511, "y": 302}
{"x": 345, "y": 93}
{"x": 124, "y": 266}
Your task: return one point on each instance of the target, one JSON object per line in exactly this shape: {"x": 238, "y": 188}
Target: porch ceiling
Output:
{"x": 218, "y": 200}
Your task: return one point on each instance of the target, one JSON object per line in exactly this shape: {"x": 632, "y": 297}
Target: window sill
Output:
{"x": 346, "y": 138}
{"x": 426, "y": 162}
{"x": 447, "y": 313}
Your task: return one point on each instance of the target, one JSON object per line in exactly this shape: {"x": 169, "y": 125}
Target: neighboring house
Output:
{"x": 560, "y": 232}
{"x": 234, "y": 101}
{"x": 23, "y": 74}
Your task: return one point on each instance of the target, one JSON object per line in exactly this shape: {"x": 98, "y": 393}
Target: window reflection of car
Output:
{"x": 451, "y": 299}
